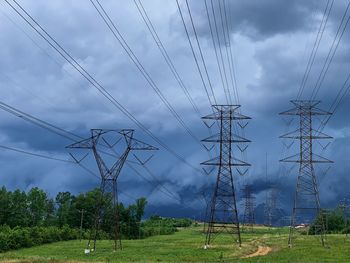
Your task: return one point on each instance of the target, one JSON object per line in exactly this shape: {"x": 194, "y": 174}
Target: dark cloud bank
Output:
{"x": 271, "y": 40}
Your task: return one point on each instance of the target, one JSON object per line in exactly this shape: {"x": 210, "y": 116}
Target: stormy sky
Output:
{"x": 271, "y": 43}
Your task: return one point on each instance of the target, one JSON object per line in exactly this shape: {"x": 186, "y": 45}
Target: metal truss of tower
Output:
{"x": 249, "y": 208}
{"x": 223, "y": 215}
{"x": 109, "y": 175}
{"x": 306, "y": 206}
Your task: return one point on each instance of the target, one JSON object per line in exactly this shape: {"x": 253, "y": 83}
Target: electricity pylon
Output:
{"x": 306, "y": 199}
{"x": 249, "y": 208}
{"x": 270, "y": 206}
{"x": 223, "y": 216}
{"x": 344, "y": 206}
{"x": 109, "y": 174}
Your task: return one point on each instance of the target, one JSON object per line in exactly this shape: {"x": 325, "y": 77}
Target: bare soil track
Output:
{"x": 262, "y": 251}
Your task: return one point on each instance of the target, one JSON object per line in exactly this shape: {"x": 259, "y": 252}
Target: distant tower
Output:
{"x": 223, "y": 216}
{"x": 249, "y": 208}
{"x": 306, "y": 201}
{"x": 344, "y": 206}
{"x": 270, "y": 208}
{"x": 109, "y": 175}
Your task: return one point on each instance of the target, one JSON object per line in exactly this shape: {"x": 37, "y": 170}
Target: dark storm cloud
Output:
{"x": 271, "y": 41}
{"x": 260, "y": 20}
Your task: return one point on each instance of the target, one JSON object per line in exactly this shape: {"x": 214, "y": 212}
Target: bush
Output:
{"x": 32, "y": 236}
{"x": 157, "y": 225}
{"x": 333, "y": 221}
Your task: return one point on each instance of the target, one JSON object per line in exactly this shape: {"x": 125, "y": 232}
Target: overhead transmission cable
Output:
{"x": 221, "y": 70}
{"x": 315, "y": 47}
{"x": 112, "y": 26}
{"x": 200, "y": 51}
{"x": 225, "y": 43}
{"x": 159, "y": 43}
{"x": 120, "y": 38}
{"x": 229, "y": 29}
{"x": 226, "y": 39}
{"x": 168, "y": 60}
{"x": 72, "y": 137}
{"x": 310, "y": 62}
{"x": 333, "y": 49}
{"x": 342, "y": 93}
{"x": 212, "y": 100}
{"x": 57, "y": 47}
{"x": 34, "y": 154}
{"x": 344, "y": 89}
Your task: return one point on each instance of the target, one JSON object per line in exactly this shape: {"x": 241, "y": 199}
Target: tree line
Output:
{"x": 335, "y": 221}
{"x": 34, "y": 218}
{"x": 35, "y": 208}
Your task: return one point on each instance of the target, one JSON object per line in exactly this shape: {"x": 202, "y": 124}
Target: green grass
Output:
{"x": 187, "y": 246}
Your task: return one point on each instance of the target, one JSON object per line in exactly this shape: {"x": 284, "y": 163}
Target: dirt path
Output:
{"x": 262, "y": 251}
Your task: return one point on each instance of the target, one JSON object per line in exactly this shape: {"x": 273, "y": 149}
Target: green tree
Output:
{"x": 18, "y": 209}
{"x": 64, "y": 201}
{"x": 333, "y": 221}
{"x": 37, "y": 206}
{"x": 140, "y": 208}
{"x": 4, "y": 206}
{"x": 50, "y": 217}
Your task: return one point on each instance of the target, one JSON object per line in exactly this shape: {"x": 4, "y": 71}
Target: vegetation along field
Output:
{"x": 186, "y": 245}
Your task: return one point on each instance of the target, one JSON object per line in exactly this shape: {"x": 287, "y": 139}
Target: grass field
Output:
{"x": 187, "y": 246}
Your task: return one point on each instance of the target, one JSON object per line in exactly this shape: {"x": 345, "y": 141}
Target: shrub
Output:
{"x": 31, "y": 236}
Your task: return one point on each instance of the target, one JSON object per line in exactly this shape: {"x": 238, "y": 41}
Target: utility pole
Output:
{"x": 109, "y": 174}
{"x": 306, "y": 199}
{"x": 223, "y": 215}
{"x": 81, "y": 222}
{"x": 249, "y": 208}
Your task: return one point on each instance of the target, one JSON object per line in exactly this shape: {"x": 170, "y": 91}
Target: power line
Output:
{"x": 116, "y": 33}
{"x": 56, "y": 159}
{"x": 345, "y": 87}
{"x": 73, "y": 137}
{"x": 57, "y": 47}
{"x": 309, "y": 64}
{"x": 315, "y": 47}
{"x": 225, "y": 88}
{"x": 43, "y": 124}
{"x": 165, "y": 54}
{"x": 200, "y": 51}
{"x": 226, "y": 39}
{"x": 331, "y": 53}
{"x": 196, "y": 59}
{"x": 341, "y": 95}
{"x": 34, "y": 154}
{"x": 344, "y": 90}
{"x": 229, "y": 29}
{"x": 221, "y": 56}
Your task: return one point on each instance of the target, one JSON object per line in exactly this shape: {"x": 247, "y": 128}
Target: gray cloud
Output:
{"x": 272, "y": 41}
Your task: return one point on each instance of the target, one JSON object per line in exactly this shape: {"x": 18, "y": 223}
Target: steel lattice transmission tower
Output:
{"x": 223, "y": 216}
{"x": 249, "y": 208}
{"x": 344, "y": 206}
{"x": 109, "y": 173}
{"x": 270, "y": 209}
{"x": 306, "y": 200}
